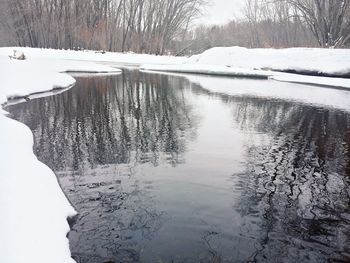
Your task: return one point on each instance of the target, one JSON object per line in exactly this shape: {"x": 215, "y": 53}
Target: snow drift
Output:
{"x": 315, "y": 61}
{"x": 322, "y": 67}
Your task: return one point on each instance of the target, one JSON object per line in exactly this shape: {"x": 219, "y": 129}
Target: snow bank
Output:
{"x": 108, "y": 57}
{"x": 249, "y": 73}
{"x": 33, "y": 225}
{"x": 333, "y": 62}
{"x": 208, "y": 70}
{"x": 23, "y": 77}
{"x": 269, "y": 63}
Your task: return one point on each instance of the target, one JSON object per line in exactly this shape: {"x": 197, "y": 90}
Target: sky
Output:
{"x": 221, "y": 11}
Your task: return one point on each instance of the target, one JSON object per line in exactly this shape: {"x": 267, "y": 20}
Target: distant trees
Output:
{"x": 327, "y": 20}
{"x": 164, "y": 26}
{"x": 266, "y": 23}
{"x": 117, "y": 25}
{"x": 274, "y": 23}
{"x": 279, "y": 24}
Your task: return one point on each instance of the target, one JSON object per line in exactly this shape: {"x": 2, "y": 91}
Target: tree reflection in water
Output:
{"x": 295, "y": 190}
{"x": 117, "y": 119}
{"x": 108, "y": 135}
{"x": 99, "y": 133}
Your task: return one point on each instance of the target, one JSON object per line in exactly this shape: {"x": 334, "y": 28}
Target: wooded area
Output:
{"x": 144, "y": 26}
{"x": 166, "y": 26}
{"x": 280, "y": 24}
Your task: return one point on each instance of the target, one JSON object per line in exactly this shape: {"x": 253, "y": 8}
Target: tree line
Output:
{"x": 280, "y": 23}
{"x": 166, "y": 26}
{"x": 144, "y": 26}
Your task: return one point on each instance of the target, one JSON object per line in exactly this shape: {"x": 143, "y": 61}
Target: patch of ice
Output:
{"x": 208, "y": 70}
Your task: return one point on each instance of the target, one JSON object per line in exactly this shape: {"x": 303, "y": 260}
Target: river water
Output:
{"x": 198, "y": 169}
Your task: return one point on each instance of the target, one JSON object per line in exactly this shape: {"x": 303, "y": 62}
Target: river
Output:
{"x": 199, "y": 169}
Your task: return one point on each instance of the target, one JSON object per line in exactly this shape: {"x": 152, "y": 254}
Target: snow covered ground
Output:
{"x": 226, "y": 61}
{"x": 107, "y": 57}
{"x": 23, "y": 77}
{"x": 33, "y": 225}
{"x": 243, "y": 62}
{"x": 334, "y": 62}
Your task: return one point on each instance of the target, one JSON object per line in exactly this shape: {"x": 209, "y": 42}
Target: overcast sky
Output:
{"x": 220, "y": 11}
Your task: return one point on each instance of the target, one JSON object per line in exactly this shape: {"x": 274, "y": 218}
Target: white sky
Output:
{"x": 221, "y": 11}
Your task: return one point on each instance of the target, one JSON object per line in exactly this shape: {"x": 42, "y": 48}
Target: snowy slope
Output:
{"x": 273, "y": 63}
{"x": 335, "y": 62}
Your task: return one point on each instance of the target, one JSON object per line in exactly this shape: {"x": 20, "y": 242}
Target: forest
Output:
{"x": 169, "y": 26}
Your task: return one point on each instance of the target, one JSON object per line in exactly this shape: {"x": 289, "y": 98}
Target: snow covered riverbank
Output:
{"x": 313, "y": 61}
{"x": 217, "y": 70}
{"x": 327, "y": 67}
{"x": 24, "y": 77}
{"x": 323, "y": 67}
{"x": 34, "y": 223}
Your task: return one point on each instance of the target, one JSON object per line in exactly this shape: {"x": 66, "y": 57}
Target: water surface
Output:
{"x": 162, "y": 169}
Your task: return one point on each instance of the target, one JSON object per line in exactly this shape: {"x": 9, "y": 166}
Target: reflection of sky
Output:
{"x": 221, "y": 11}
{"x": 306, "y": 94}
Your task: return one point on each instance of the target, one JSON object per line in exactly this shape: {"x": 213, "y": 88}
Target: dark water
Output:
{"x": 164, "y": 170}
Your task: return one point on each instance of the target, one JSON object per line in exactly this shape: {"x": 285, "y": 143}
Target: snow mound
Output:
{"x": 329, "y": 65}
{"x": 332, "y": 62}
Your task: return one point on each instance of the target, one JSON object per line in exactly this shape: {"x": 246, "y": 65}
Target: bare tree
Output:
{"x": 116, "y": 25}
{"x": 329, "y": 20}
